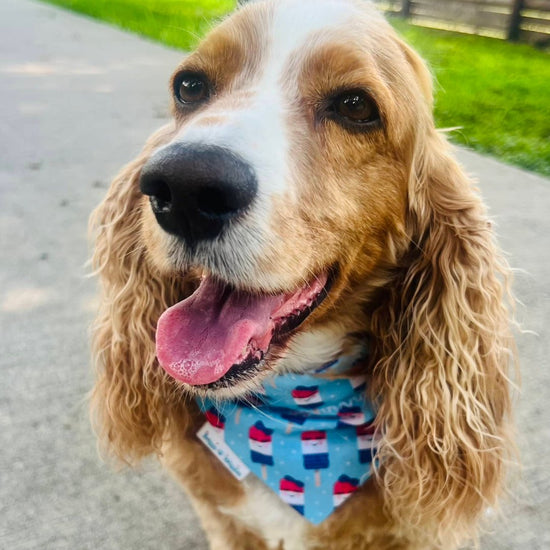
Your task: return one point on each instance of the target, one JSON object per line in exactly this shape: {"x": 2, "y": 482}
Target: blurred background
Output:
{"x": 82, "y": 84}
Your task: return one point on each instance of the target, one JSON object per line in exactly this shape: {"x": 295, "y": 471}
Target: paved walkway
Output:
{"x": 77, "y": 99}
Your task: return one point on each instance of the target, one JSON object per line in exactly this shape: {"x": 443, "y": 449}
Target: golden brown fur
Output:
{"x": 419, "y": 271}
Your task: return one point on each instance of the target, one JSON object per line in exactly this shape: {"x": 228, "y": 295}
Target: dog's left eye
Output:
{"x": 191, "y": 88}
{"x": 354, "y": 108}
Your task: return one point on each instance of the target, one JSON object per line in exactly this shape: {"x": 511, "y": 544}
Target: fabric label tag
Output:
{"x": 213, "y": 439}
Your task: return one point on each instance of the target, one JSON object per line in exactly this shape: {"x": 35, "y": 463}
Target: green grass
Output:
{"x": 178, "y": 23}
{"x": 496, "y": 92}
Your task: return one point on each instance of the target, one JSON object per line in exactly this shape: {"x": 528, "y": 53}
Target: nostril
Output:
{"x": 161, "y": 197}
{"x": 217, "y": 202}
{"x": 196, "y": 191}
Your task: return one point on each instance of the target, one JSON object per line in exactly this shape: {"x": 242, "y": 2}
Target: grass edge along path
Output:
{"x": 496, "y": 93}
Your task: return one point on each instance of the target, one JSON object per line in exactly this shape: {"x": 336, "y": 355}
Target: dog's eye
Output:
{"x": 190, "y": 88}
{"x": 354, "y": 108}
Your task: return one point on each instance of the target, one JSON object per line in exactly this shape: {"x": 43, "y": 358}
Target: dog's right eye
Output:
{"x": 191, "y": 88}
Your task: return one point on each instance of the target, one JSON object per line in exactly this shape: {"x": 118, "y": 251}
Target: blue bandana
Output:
{"x": 311, "y": 439}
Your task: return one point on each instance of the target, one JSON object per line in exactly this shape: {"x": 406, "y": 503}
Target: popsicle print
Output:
{"x": 343, "y": 488}
{"x": 293, "y": 417}
{"x": 351, "y": 416}
{"x": 315, "y": 452}
{"x": 261, "y": 446}
{"x": 307, "y": 396}
{"x": 291, "y": 491}
{"x": 366, "y": 443}
{"x": 217, "y": 422}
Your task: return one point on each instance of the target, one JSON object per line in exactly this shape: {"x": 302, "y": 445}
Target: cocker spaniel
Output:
{"x": 303, "y": 308}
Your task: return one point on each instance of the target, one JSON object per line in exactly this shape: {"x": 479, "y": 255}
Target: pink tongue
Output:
{"x": 201, "y": 337}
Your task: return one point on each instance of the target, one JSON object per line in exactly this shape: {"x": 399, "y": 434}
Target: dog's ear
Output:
{"x": 130, "y": 400}
{"x": 423, "y": 76}
{"x": 443, "y": 350}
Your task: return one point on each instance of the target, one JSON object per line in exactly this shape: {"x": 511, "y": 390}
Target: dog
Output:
{"x": 299, "y": 240}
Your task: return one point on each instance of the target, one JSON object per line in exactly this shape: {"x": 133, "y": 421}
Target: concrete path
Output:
{"x": 77, "y": 99}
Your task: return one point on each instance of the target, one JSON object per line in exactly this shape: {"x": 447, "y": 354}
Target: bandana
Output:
{"x": 310, "y": 438}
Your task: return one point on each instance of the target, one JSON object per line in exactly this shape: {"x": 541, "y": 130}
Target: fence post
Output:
{"x": 405, "y": 8}
{"x": 515, "y": 20}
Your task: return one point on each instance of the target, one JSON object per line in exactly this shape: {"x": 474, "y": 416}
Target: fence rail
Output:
{"x": 525, "y": 20}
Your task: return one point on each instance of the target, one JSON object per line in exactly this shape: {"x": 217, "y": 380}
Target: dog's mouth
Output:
{"x": 221, "y": 335}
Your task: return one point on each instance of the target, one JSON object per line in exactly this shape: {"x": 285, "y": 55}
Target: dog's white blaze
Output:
{"x": 257, "y": 132}
{"x": 292, "y": 26}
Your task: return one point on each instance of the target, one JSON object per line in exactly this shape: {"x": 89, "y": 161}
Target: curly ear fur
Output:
{"x": 443, "y": 347}
{"x": 443, "y": 336}
{"x": 132, "y": 397}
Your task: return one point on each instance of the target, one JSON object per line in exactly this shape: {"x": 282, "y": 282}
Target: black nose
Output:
{"x": 196, "y": 191}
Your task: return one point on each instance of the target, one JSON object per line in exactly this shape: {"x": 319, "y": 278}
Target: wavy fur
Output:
{"x": 441, "y": 351}
{"x": 443, "y": 348}
{"x": 132, "y": 396}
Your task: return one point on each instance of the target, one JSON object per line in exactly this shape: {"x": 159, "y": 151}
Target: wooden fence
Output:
{"x": 525, "y": 20}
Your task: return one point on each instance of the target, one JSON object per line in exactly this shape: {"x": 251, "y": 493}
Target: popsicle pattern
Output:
{"x": 343, "y": 489}
{"x": 351, "y": 416}
{"x": 261, "y": 445}
{"x": 217, "y": 421}
{"x": 307, "y": 396}
{"x": 366, "y": 442}
{"x": 292, "y": 492}
{"x": 315, "y": 450}
{"x": 312, "y": 440}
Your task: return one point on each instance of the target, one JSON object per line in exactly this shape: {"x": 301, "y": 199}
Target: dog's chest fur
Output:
{"x": 264, "y": 513}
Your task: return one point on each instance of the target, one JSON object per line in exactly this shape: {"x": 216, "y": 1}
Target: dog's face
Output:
{"x": 285, "y": 183}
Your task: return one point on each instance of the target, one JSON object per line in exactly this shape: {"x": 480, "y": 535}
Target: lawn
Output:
{"x": 178, "y": 23}
{"x": 497, "y": 93}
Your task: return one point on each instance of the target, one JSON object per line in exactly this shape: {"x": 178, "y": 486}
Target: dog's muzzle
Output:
{"x": 196, "y": 191}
